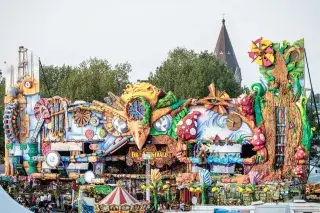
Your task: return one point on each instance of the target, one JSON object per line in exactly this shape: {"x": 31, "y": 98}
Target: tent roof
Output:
{"x": 119, "y": 196}
{"x": 10, "y": 205}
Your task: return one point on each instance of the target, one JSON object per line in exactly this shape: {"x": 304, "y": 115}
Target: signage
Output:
{"x": 158, "y": 157}
{"x": 78, "y": 166}
{"x": 149, "y": 155}
{"x": 38, "y": 158}
{"x": 67, "y": 146}
{"x": 98, "y": 181}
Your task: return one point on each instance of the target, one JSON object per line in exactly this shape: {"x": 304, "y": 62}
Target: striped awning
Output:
{"x": 119, "y": 196}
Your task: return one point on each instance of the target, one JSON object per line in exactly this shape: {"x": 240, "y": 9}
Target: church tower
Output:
{"x": 224, "y": 52}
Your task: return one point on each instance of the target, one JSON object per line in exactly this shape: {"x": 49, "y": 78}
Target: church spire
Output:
{"x": 224, "y": 52}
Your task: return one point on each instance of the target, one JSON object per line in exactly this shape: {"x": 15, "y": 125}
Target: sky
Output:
{"x": 142, "y": 32}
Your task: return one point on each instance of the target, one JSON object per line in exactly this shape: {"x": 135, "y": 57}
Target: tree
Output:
{"x": 187, "y": 74}
{"x": 315, "y": 143}
{"x": 2, "y": 94}
{"x": 90, "y": 80}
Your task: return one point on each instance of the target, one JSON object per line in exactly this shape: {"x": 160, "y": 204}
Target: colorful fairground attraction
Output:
{"x": 147, "y": 149}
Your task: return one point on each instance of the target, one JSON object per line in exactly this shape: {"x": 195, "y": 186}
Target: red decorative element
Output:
{"x": 258, "y": 140}
{"x": 89, "y": 133}
{"x": 46, "y": 147}
{"x": 298, "y": 170}
{"x": 246, "y": 106}
{"x": 300, "y": 153}
{"x": 73, "y": 185}
{"x": 42, "y": 109}
{"x": 187, "y": 127}
{"x": 119, "y": 196}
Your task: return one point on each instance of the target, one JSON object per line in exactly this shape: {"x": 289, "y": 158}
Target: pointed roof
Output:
{"x": 224, "y": 51}
{"x": 119, "y": 196}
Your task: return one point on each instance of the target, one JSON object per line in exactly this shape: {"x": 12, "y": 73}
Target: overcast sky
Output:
{"x": 143, "y": 31}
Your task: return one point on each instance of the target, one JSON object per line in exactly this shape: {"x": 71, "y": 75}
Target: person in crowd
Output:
{"x": 49, "y": 197}
{"x": 182, "y": 206}
{"x": 38, "y": 201}
{"x": 33, "y": 200}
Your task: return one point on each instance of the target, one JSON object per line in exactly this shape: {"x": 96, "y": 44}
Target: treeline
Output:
{"x": 90, "y": 80}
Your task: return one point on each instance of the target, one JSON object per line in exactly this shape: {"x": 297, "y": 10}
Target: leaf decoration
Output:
{"x": 291, "y": 67}
{"x": 276, "y": 47}
{"x": 9, "y": 146}
{"x": 299, "y": 43}
{"x": 166, "y": 101}
{"x": 23, "y": 146}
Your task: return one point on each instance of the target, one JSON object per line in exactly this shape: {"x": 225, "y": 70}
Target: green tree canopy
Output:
{"x": 187, "y": 74}
{"x": 2, "y": 93}
{"x": 90, "y": 80}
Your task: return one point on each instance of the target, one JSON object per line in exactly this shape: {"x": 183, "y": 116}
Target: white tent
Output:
{"x": 8, "y": 205}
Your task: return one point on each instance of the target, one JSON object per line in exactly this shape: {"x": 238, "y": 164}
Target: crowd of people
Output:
{"x": 38, "y": 198}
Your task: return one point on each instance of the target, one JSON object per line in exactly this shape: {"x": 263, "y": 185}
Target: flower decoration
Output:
{"x": 81, "y": 117}
{"x": 240, "y": 189}
{"x": 198, "y": 189}
{"x": 214, "y": 189}
{"x": 249, "y": 190}
{"x": 262, "y": 53}
{"x": 191, "y": 189}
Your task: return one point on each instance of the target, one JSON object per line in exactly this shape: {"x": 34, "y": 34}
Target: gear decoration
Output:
{"x": 27, "y": 84}
{"x": 94, "y": 121}
{"x": 10, "y": 122}
{"x": 42, "y": 109}
{"x": 89, "y": 133}
{"x": 102, "y": 133}
{"x": 116, "y": 126}
{"x": 262, "y": 52}
{"x": 81, "y": 117}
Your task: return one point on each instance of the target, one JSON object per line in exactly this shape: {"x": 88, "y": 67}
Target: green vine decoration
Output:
{"x": 258, "y": 89}
{"x": 307, "y": 133}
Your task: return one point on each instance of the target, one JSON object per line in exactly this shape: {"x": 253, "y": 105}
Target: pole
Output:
{"x": 20, "y": 66}
{"x": 312, "y": 101}
{"x": 44, "y": 77}
{"x": 72, "y": 200}
{"x": 148, "y": 180}
{"x": 312, "y": 92}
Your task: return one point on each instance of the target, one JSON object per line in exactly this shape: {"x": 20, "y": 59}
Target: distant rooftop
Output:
{"x": 225, "y": 53}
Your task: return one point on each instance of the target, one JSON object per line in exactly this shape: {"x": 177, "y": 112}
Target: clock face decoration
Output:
{"x": 136, "y": 109}
{"x": 53, "y": 159}
{"x": 234, "y": 122}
